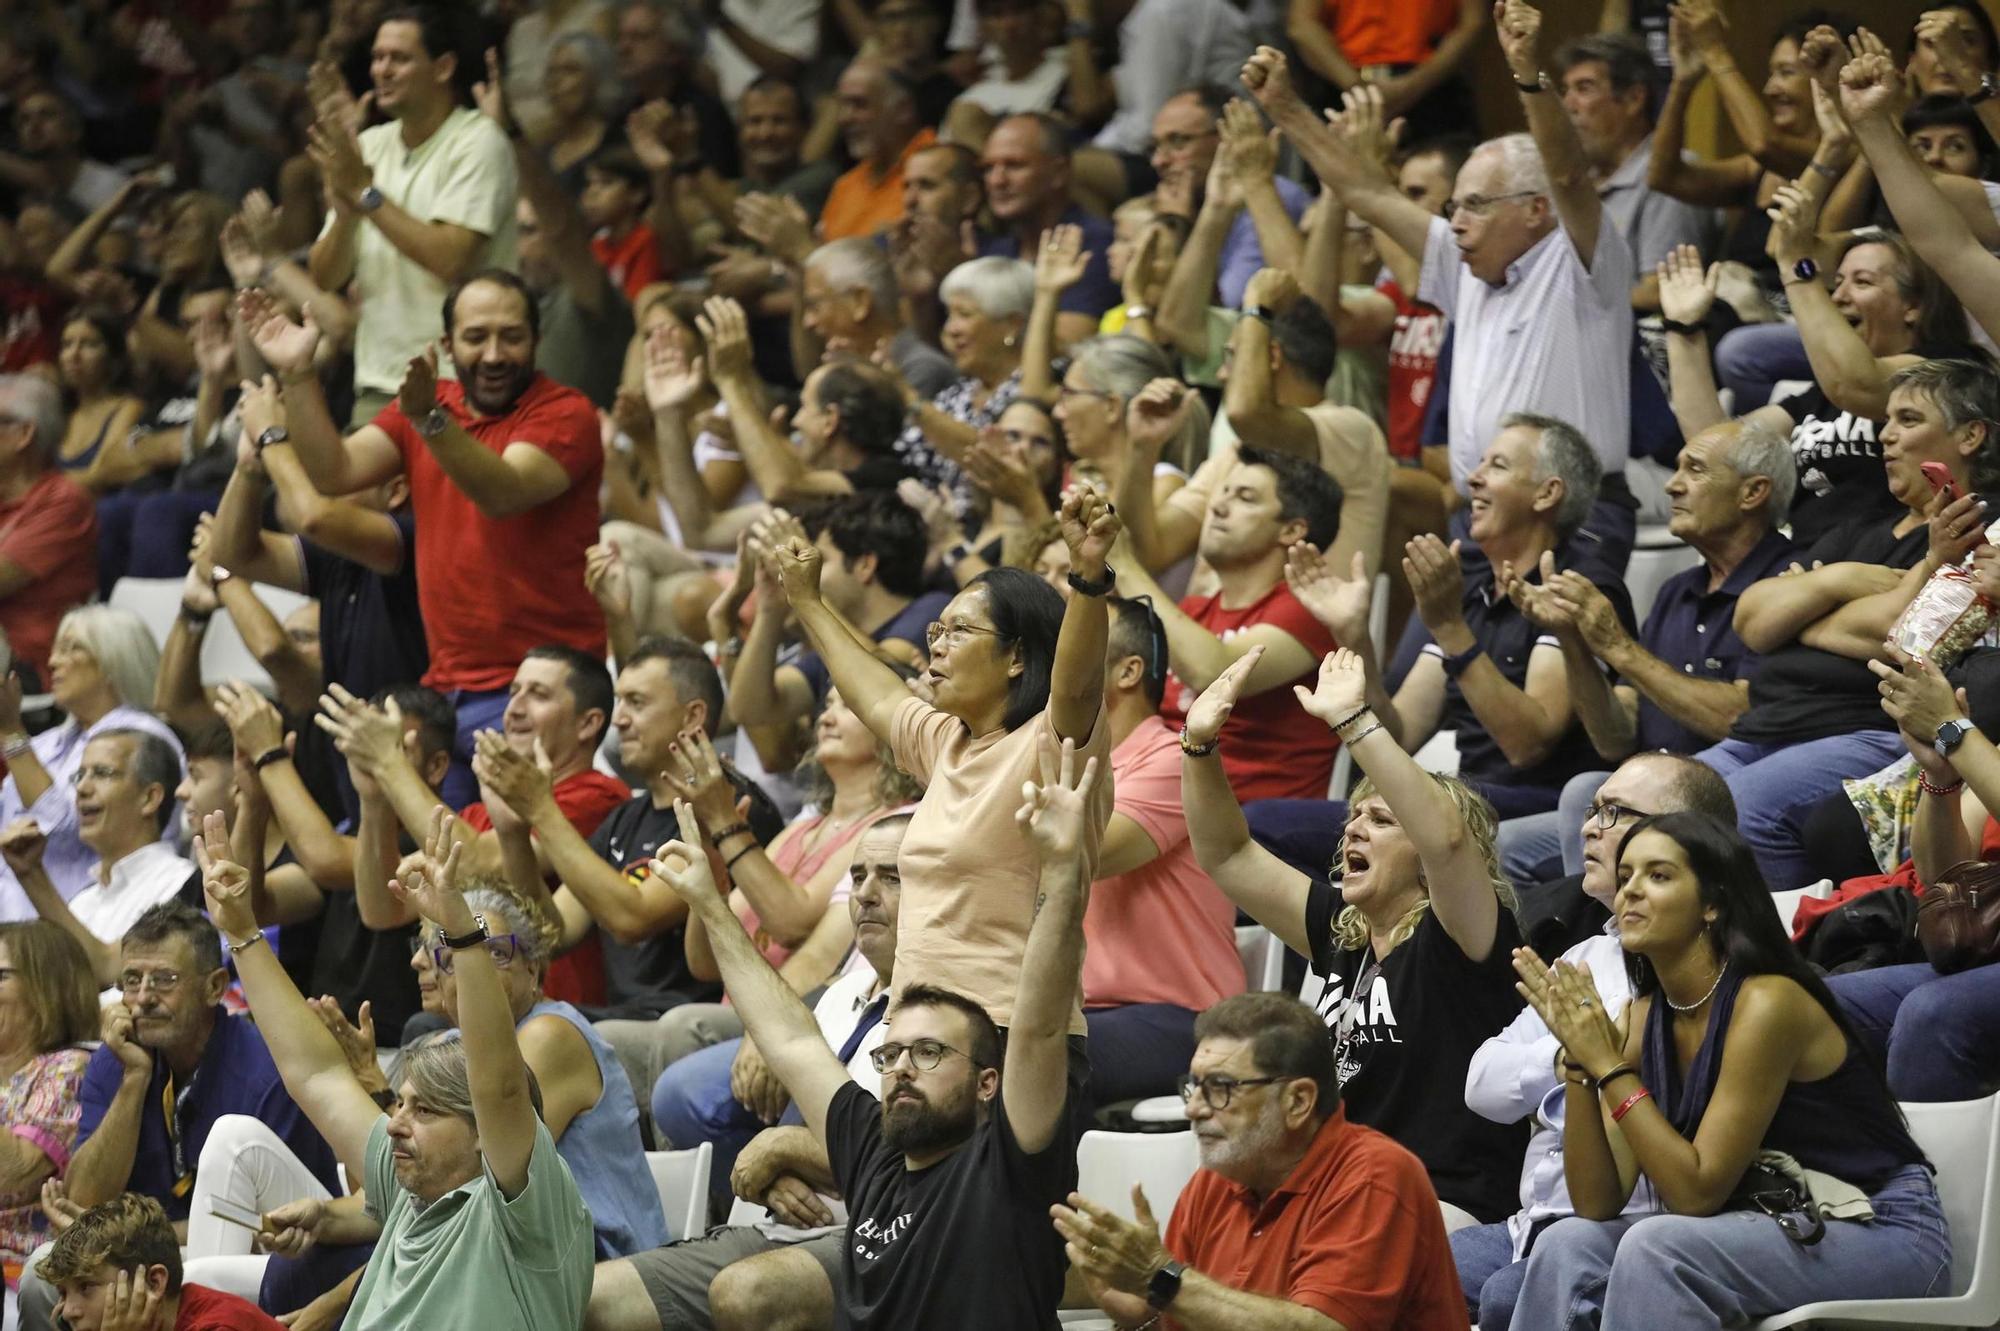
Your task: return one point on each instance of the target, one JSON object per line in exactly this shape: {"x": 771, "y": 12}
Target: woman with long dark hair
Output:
{"x": 1732, "y": 1047}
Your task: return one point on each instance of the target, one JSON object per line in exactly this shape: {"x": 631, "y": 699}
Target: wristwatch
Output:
{"x": 433, "y": 424}
{"x": 217, "y": 575}
{"x": 1262, "y": 313}
{"x": 479, "y": 934}
{"x": 1805, "y": 270}
{"x": 1454, "y": 666}
{"x": 1134, "y": 313}
{"x": 1085, "y": 587}
{"x": 1952, "y": 733}
{"x": 369, "y": 199}
{"x": 1165, "y": 1285}
{"x": 1989, "y": 88}
{"x": 1079, "y": 28}
{"x": 272, "y": 434}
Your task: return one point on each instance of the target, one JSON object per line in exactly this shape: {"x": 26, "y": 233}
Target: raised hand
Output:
{"x": 1519, "y": 26}
{"x": 336, "y": 151}
{"x": 286, "y": 347}
{"x": 933, "y": 505}
{"x": 1273, "y": 288}
{"x": 490, "y": 94}
{"x": 1155, "y": 415}
{"x": 254, "y": 722}
{"x": 261, "y": 405}
{"x": 778, "y": 223}
{"x": 1268, "y": 79}
{"x": 1834, "y": 133}
{"x": 1954, "y": 43}
{"x": 225, "y": 883}
{"x": 371, "y": 738}
{"x": 1870, "y": 89}
{"x": 1821, "y": 55}
{"x": 1687, "y": 291}
{"x": 1206, "y": 717}
{"x": 1145, "y": 279}
{"x": 239, "y": 254}
{"x": 1683, "y": 50}
{"x": 1054, "y": 810}
{"x": 1703, "y": 23}
{"x": 1436, "y": 581}
{"x": 1794, "y": 218}
{"x": 999, "y": 468}
{"x": 522, "y": 782}
{"x": 1061, "y": 260}
{"x": 683, "y": 864}
{"x": 1249, "y": 150}
{"x": 698, "y": 778}
{"x": 1362, "y": 124}
{"x": 418, "y": 394}
{"x": 796, "y": 561}
{"x": 22, "y": 843}
{"x": 726, "y": 329}
{"x": 607, "y": 579}
{"x": 1115, "y": 1256}
{"x": 1340, "y": 690}
{"x": 356, "y": 1040}
{"x": 1341, "y": 604}
{"x": 57, "y": 1208}
{"x": 431, "y": 889}
{"x": 1089, "y": 525}
{"x": 649, "y": 129}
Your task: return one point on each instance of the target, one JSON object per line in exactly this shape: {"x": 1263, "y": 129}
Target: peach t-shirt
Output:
{"x": 969, "y": 871}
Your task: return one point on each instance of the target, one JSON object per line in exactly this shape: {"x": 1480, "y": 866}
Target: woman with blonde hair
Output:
{"x": 48, "y": 1009}
{"x": 1411, "y": 941}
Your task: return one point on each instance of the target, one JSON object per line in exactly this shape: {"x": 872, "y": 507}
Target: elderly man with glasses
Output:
{"x": 1298, "y": 1217}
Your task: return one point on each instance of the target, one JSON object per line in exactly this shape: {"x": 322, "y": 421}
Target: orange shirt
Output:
{"x": 1388, "y": 32}
{"x": 861, "y": 204}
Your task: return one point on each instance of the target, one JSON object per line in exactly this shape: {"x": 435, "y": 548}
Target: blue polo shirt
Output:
{"x": 1095, "y": 292}
{"x": 1691, "y": 628}
{"x": 235, "y": 1076}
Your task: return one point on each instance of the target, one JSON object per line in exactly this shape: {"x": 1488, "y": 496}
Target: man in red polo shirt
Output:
{"x": 1295, "y": 1210}
{"x": 503, "y": 465}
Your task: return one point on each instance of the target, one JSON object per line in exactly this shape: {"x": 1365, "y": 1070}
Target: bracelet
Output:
{"x": 957, "y": 555}
{"x": 1353, "y": 716}
{"x": 1924, "y": 782}
{"x": 197, "y": 617}
{"x": 1350, "y": 743}
{"x": 252, "y": 941}
{"x": 277, "y": 753}
{"x": 1541, "y": 84}
{"x": 1684, "y": 329}
{"x": 722, "y": 834}
{"x": 478, "y": 934}
{"x": 1083, "y": 586}
{"x": 1454, "y": 666}
{"x": 729, "y": 865}
{"x": 1831, "y": 173}
{"x": 1197, "y": 750}
{"x": 1597, "y": 1083}
{"x": 18, "y": 744}
{"x": 1625, "y": 1105}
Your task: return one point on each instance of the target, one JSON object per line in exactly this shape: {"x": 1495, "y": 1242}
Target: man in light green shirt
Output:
{"x": 417, "y": 203}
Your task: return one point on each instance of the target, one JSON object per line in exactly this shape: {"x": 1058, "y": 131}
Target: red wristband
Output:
{"x": 1625, "y": 1105}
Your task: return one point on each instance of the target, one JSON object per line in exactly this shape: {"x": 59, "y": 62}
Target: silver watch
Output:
{"x": 433, "y": 425}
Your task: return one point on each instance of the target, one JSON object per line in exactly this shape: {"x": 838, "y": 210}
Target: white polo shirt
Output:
{"x": 1555, "y": 338}
{"x": 142, "y": 880}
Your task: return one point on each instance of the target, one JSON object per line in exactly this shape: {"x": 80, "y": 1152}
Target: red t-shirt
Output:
{"x": 1388, "y": 32}
{"x": 1271, "y": 748}
{"x": 585, "y": 799}
{"x": 205, "y": 1309}
{"x": 1413, "y": 360}
{"x": 493, "y": 588}
{"x": 632, "y": 260}
{"x": 51, "y": 533}
{"x": 32, "y": 323}
{"x": 1354, "y": 1233}
{"x": 1163, "y": 933}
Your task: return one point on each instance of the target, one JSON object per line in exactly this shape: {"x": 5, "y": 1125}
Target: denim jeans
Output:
{"x": 1528, "y": 843}
{"x": 477, "y": 711}
{"x": 1137, "y": 1050}
{"x": 1488, "y": 1272}
{"x": 1776, "y": 787}
{"x": 1753, "y": 359}
{"x": 1940, "y": 1033}
{"x": 1730, "y": 1269}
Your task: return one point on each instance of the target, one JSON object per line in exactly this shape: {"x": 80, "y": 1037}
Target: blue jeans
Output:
{"x": 1940, "y": 1033}
{"x": 1302, "y": 833}
{"x": 1138, "y": 1050}
{"x": 692, "y": 1104}
{"x": 1488, "y": 1272}
{"x": 1732, "y": 1268}
{"x": 1527, "y": 843}
{"x": 1776, "y": 787}
{"x": 478, "y": 711}
{"x": 1752, "y": 359}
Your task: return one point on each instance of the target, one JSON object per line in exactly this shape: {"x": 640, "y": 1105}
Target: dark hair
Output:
{"x": 1287, "y": 1039}
{"x": 617, "y": 159}
{"x": 772, "y": 83}
{"x": 1964, "y": 392}
{"x": 874, "y": 522}
{"x": 499, "y": 277}
{"x": 1304, "y": 491}
{"x": 1212, "y": 96}
{"x": 1697, "y": 787}
{"x": 177, "y": 919}
{"x": 1137, "y": 630}
{"x": 1941, "y": 319}
{"x": 210, "y": 739}
{"x": 1306, "y": 339}
{"x": 154, "y": 763}
{"x": 1980, "y": 20}
{"x": 1453, "y": 147}
{"x": 589, "y": 682}
{"x": 443, "y": 31}
{"x": 871, "y": 410}
{"x": 690, "y": 671}
{"x": 986, "y": 1051}
{"x": 1799, "y": 25}
{"x": 964, "y": 169}
{"x": 1944, "y": 109}
{"x": 117, "y": 355}
{"x": 1027, "y": 616}
{"x": 1746, "y": 931}
{"x": 131, "y": 1229}
{"x": 437, "y": 723}
{"x": 1624, "y": 56}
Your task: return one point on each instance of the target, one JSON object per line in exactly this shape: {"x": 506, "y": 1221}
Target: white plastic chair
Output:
{"x": 1439, "y": 753}
{"x": 1263, "y": 958}
{"x": 682, "y": 1178}
{"x": 1657, "y": 555}
{"x": 1109, "y": 1163}
{"x": 1962, "y": 1139}
{"x": 223, "y": 655}
{"x": 746, "y": 1213}
{"x": 1787, "y": 903}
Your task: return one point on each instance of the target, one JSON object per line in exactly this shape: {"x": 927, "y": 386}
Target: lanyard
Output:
{"x": 171, "y": 1105}
{"x": 1350, "y": 1013}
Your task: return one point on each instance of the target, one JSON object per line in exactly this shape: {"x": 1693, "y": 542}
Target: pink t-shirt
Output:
{"x": 1163, "y": 933}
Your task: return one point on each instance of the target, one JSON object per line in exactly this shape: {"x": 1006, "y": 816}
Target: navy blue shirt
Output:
{"x": 1692, "y": 629}
{"x": 371, "y": 630}
{"x": 1095, "y": 292}
{"x": 235, "y": 1076}
{"x": 907, "y": 625}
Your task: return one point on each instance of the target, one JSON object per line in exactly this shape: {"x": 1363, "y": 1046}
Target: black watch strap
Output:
{"x": 1165, "y": 1285}
{"x": 479, "y": 934}
{"x": 1084, "y": 587}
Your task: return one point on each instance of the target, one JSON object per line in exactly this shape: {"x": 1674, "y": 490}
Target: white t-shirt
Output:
{"x": 142, "y": 880}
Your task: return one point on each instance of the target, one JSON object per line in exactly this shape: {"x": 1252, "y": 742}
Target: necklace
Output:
{"x": 1699, "y": 1001}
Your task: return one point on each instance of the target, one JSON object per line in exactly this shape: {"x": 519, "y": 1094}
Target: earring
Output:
{"x": 1008, "y": 340}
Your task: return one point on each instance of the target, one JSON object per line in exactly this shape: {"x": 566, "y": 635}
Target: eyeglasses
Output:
{"x": 954, "y": 634}
{"x": 1178, "y": 143}
{"x": 98, "y": 772}
{"x": 925, "y": 1055}
{"x": 1065, "y": 391}
{"x": 1217, "y": 1090}
{"x": 163, "y": 982}
{"x": 1607, "y": 814}
{"x": 1479, "y": 205}
{"x": 503, "y": 948}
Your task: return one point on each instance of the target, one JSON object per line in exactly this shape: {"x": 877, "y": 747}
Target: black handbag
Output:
{"x": 1777, "y": 1195}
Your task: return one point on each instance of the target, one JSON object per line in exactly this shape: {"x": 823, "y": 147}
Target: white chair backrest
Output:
{"x": 682, "y": 1178}
{"x": 223, "y": 655}
{"x": 746, "y": 1213}
{"x": 1439, "y": 753}
{"x": 1109, "y": 1163}
{"x": 1787, "y": 903}
{"x": 1962, "y": 1139}
{"x": 1263, "y": 958}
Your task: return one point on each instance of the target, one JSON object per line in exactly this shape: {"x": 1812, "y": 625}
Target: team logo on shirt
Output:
{"x": 1354, "y": 1026}
{"x": 872, "y": 1241}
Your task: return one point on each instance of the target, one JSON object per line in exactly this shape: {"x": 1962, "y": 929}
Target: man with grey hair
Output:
{"x": 1490, "y": 673}
{"x": 124, "y": 798}
{"x": 849, "y": 306}
{"x": 879, "y": 123}
{"x": 48, "y": 523}
{"x": 1680, "y": 684}
{"x": 1532, "y": 268}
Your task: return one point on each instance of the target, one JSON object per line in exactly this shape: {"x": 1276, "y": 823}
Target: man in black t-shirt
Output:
{"x": 949, "y": 1180}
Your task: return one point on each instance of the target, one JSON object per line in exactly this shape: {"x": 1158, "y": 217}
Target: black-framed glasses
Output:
{"x": 925, "y": 1055}
{"x": 503, "y": 948}
{"x": 1607, "y": 814}
{"x": 1216, "y": 1090}
{"x": 1479, "y": 205}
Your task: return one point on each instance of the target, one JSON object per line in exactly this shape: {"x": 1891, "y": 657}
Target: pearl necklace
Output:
{"x": 1699, "y": 1001}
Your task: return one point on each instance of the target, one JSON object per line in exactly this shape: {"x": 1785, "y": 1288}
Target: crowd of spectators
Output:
{"x": 807, "y": 576}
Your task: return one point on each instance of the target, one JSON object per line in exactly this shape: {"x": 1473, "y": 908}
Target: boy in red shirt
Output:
{"x": 118, "y": 1268}
{"x": 616, "y": 193}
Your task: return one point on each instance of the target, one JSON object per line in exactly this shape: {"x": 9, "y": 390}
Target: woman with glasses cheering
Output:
{"x": 1410, "y": 952}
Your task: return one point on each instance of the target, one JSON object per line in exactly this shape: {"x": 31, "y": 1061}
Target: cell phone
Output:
{"x": 1940, "y": 479}
{"x": 235, "y": 1213}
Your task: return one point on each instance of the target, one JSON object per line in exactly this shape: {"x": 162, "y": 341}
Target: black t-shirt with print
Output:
{"x": 966, "y": 1243}
{"x": 1839, "y": 457}
{"x": 1803, "y": 693}
{"x": 1403, "y": 1072}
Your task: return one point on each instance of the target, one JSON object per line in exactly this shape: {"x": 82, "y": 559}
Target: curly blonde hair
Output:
{"x": 1350, "y": 930}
